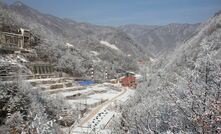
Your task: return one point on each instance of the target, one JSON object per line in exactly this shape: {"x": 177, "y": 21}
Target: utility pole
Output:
{"x": 105, "y": 73}
{"x": 92, "y": 73}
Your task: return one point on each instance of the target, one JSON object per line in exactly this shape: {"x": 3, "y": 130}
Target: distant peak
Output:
{"x": 18, "y": 4}
{"x": 2, "y": 3}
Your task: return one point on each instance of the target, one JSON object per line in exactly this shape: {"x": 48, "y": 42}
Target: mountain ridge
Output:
{"x": 158, "y": 40}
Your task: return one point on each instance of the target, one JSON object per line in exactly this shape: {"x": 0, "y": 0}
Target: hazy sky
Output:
{"x": 119, "y": 12}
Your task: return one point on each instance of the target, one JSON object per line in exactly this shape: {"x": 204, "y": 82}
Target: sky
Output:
{"x": 121, "y": 12}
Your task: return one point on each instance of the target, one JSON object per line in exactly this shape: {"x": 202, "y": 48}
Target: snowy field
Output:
{"x": 90, "y": 96}
{"x": 112, "y": 46}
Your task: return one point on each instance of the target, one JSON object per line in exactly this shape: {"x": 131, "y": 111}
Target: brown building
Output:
{"x": 129, "y": 80}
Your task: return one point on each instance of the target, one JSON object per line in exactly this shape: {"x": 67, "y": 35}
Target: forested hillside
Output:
{"x": 183, "y": 94}
{"x": 160, "y": 40}
{"x": 74, "y": 47}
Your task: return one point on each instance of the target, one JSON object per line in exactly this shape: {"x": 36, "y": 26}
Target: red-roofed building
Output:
{"x": 129, "y": 81}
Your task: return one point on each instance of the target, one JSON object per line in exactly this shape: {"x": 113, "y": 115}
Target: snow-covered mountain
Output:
{"x": 157, "y": 40}
{"x": 207, "y": 39}
{"x": 181, "y": 93}
{"x": 112, "y": 46}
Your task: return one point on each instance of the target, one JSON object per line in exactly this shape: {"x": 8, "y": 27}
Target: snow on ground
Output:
{"x": 138, "y": 76}
{"x": 12, "y": 59}
{"x": 83, "y": 92}
{"x": 108, "y": 95}
{"x": 86, "y": 101}
{"x": 8, "y": 59}
{"x": 97, "y": 124}
{"x": 82, "y": 130}
{"x": 152, "y": 60}
{"x": 95, "y": 53}
{"x": 90, "y": 96}
{"x": 69, "y": 45}
{"x": 97, "y": 60}
{"x": 94, "y": 98}
{"x": 21, "y": 59}
{"x": 126, "y": 96}
{"x": 46, "y": 79}
{"x": 112, "y": 46}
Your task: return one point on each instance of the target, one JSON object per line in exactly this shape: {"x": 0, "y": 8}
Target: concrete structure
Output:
{"x": 16, "y": 40}
{"x": 12, "y": 38}
{"x": 42, "y": 70}
{"x": 26, "y": 35}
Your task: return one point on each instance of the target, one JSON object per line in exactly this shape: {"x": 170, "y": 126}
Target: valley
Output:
{"x": 60, "y": 76}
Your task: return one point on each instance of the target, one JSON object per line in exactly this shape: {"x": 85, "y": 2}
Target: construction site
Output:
{"x": 96, "y": 100}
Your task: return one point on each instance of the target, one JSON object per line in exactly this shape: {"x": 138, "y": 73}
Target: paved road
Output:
{"x": 98, "y": 108}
